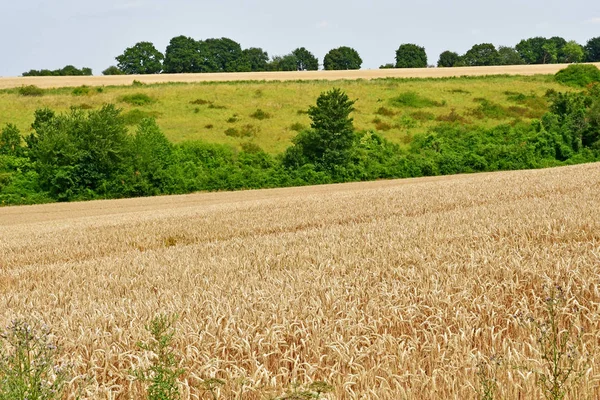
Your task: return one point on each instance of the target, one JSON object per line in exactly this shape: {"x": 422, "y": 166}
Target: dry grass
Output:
{"x": 74, "y": 81}
{"x": 386, "y": 290}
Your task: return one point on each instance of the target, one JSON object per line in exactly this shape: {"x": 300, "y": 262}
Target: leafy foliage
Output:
{"x": 142, "y": 58}
{"x": 481, "y": 55}
{"x": 578, "y": 75}
{"x": 411, "y": 56}
{"x": 342, "y": 58}
{"x": 68, "y": 70}
{"x": 163, "y": 374}
{"x": 592, "y": 50}
{"x": 305, "y": 60}
{"x": 448, "y": 59}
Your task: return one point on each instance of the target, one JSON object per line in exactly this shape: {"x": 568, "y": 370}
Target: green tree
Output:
{"x": 539, "y": 50}
{"x": 328, "y": 144}
{"x": 113, "y": 70}
{"x": 411, "y": 56}
{"x": 10, "y": 141}
{"x": 342, "y": 58}
{"x": 78, "y": 153}
{"x": 592, "y": 50}
{"x": 184, "y": 55}
{"x": 483, "y": 54}
{"x": 509, "y": 56}
{"x": 531, "y": 50}
{"x": 448, "y": 59}
{"x": 255, "y": 59}
{"x": 224, "y": 55}
{"x": 305, "y": 60}
{"x": 284, "y": 63}
{"x": 142, "y": 58}
{"x": 572, "y": 52}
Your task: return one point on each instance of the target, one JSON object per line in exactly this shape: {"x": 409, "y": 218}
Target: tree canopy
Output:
{"x": 411, "y": 56}
{"x": 342, "y": 58}
{"x": 142, "y": 58}
{"x": 483, "y": 54}
{"x": 305, "y": 60}
{"x": 448, "y": 59}
{"x": 592, "y": 50}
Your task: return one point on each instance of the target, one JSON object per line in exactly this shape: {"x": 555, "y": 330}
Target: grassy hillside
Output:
{"x": 226, "y": 112}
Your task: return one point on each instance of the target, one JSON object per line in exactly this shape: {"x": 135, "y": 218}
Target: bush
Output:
{"x": 31, "y": 90}
{"x": 260, "y": 115}
{"x": 413, "y": 100}
{"x": 135, "y": 116}
{"x": 137, "y": 99}
{"x": 578, "y": 75}
{"x": 81, "y": 91}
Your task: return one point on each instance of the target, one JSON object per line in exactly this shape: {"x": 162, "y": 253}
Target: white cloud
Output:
{"x": 323, "y": 24}
{"x": 595, "y": 20}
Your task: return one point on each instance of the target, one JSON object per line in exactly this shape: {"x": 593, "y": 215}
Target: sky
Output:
{"x": 37, "y": 34}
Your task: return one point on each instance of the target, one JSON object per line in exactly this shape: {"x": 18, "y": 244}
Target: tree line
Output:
{"x": 188, "y": 55}
{"x": 185, "y": 55}
{"x": 89, "y": 154}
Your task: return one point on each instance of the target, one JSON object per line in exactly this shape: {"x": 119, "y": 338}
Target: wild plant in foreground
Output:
{"x": 487, "y": 371}
{"x": 163, "y": 374}
{"x": 28, "y": 366}
{"x": 560, "y": 345}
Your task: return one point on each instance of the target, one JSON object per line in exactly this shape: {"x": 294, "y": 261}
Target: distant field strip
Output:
{"x": 386, "y": 290}
{"x": 73, "y": 81}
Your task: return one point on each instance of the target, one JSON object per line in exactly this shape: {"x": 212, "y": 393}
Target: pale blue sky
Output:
{"x": 37, "y": 34}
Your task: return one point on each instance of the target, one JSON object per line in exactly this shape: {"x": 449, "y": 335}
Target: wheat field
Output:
{"x": 73, "y": 81}
{"x": 386, "y": 290}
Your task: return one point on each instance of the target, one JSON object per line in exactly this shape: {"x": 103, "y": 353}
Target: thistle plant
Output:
{"x": 28, "y": 366}
{"x": 163, "y": 374}
{"x": 559, "y": 344}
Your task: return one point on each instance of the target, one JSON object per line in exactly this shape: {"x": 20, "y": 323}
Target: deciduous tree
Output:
{"x": 305, "y": 60}
{"x": 411, "y": 56}
{"x": 342, "y": 58}
{"x": 142, "y": 58}
{"x": 448, "y": 59}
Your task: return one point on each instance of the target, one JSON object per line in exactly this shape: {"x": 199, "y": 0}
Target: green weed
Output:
{"x": 163, "y": 374}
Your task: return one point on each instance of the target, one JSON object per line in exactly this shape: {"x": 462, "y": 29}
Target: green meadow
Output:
{"x": 270, "y": 114}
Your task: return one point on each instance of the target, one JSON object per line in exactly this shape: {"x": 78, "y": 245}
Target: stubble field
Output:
{"x": 407, "y": 289}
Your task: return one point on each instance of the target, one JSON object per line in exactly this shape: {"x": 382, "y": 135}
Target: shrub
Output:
{"x": 28, "y": 367}
{"x": 453, "y": 116}
{"x": 386, "y": 112}
{"x": 422, "y": 116}
{"x": 135, "y": 116}
{"x": 413, "y": 100}
{"x": 233, "y": 119}
{"x": 578, "y": 75}
{"x": 381, "y": 126}
{"x": 260, "y": 115}
{"x": 200, "y": 102}
{"x": 137, "y": 99}
{"x": 81, "y": 91}
{"x": 31, "y": 90}
{"x": 297, "y": 126}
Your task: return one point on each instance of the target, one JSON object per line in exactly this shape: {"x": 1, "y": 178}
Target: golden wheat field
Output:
{"x": 407, "y": 289}
{"x": 73, "y": 81}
